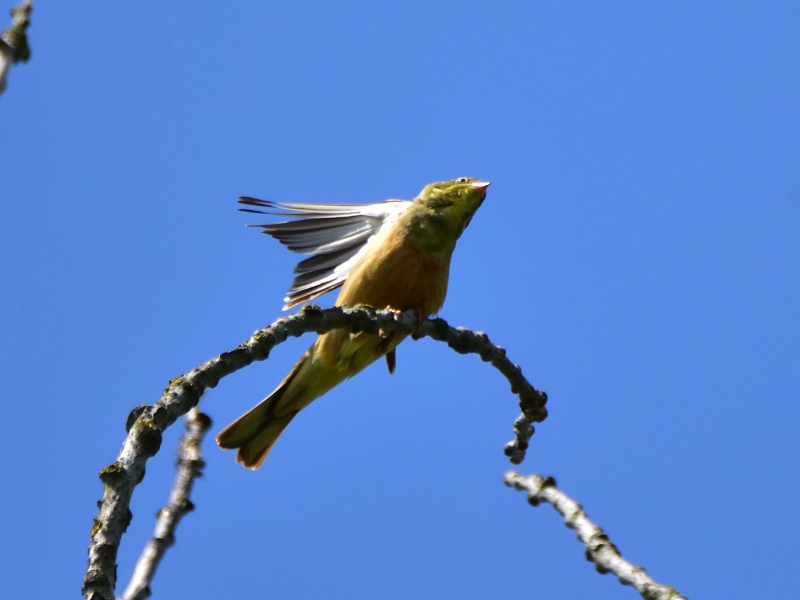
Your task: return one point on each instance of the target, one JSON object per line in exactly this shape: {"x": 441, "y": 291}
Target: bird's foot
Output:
{"x": 397, "y": 315}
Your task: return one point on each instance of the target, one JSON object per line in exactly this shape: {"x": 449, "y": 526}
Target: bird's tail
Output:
{"x": 255, "y": 432}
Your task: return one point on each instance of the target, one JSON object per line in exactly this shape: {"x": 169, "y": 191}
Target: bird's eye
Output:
{"x": 461, "y": 180}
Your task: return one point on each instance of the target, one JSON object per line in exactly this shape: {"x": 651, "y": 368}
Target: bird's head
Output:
{"x": 455, "y": 201}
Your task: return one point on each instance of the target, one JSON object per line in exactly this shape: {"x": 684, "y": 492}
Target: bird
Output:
{"x": 391, "y": 255}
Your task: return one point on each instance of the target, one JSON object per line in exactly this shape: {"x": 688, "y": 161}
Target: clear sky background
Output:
{"x": 638, "y": 254}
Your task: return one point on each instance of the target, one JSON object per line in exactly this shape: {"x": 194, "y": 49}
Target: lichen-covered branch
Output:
{"x": 599, "y": 548}
{"x": 147, "y": 423}
{"x": 14, "y": 41}
{"x": 189, "y": 467}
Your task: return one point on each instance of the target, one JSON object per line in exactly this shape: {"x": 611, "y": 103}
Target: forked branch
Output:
{"x": 147, "y": 423}
{"x": 189, "y": 467}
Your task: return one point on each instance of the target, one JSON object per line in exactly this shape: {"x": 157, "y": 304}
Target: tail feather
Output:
{"x": 255, "y": 432}
{"x": 254, "y": 451}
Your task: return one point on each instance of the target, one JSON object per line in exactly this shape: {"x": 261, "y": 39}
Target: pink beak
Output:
{"x": 481, "y": 185}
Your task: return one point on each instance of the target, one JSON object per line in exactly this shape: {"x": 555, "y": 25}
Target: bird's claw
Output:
{"x": 397, "y": 315}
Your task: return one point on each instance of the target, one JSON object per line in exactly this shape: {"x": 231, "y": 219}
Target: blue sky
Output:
{"x": 637, "y": 254}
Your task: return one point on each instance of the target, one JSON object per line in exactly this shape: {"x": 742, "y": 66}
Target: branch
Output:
{"x": 147, "y": 423}
{"x": 14, "y": 40}
{"x": 190, "y": 466}
{"x": 599, "y": 548}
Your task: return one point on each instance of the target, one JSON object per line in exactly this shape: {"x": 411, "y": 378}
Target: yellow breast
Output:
{"x": 395, "y": 273}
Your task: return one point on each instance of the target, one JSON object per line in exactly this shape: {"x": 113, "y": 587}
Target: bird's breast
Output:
{"x": 396, "y": 273}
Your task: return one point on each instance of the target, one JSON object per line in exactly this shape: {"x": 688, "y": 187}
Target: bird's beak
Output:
{"x": 481, "y": 185}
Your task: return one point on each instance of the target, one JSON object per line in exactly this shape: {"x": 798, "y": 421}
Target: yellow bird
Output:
{"x": 390, "y": 255}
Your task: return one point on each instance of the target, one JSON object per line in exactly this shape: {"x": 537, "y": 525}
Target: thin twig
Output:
{"x": 189, "y": 467}
{"x": 147, "y": 423}
{"x": 14, "y": 40}
{"x": 599, "y": 548}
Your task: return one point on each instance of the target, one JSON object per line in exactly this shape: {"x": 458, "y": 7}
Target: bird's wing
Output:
{"x": 335, "y": 235}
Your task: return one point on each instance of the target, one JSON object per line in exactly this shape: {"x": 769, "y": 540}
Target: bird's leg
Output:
{"x": 397, "y": 315}
{"x": 391, "y": 356}
{"x": 420, "y": 319}
{"x": 388, "y": 336}
{"x": 391, "y": 360}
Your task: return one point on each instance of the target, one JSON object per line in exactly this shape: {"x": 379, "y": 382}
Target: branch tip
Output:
{"x": 146, "y": 423}
{"x": 598, "y": 548}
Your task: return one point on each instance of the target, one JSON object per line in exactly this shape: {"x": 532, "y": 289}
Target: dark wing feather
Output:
{"x": 335, "y": 235}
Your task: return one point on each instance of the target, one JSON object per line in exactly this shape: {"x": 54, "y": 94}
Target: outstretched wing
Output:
{"x": 335, "y": 235}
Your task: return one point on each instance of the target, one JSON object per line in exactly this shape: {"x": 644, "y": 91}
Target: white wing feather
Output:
{"x": 335, "y": 235}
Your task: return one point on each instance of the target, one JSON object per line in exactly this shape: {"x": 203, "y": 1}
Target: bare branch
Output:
{"x": 189, "y": 467}
{"x": 14, "y": 40}
{"x": 147, "y": 423}
{"x": 599, "y": 548}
